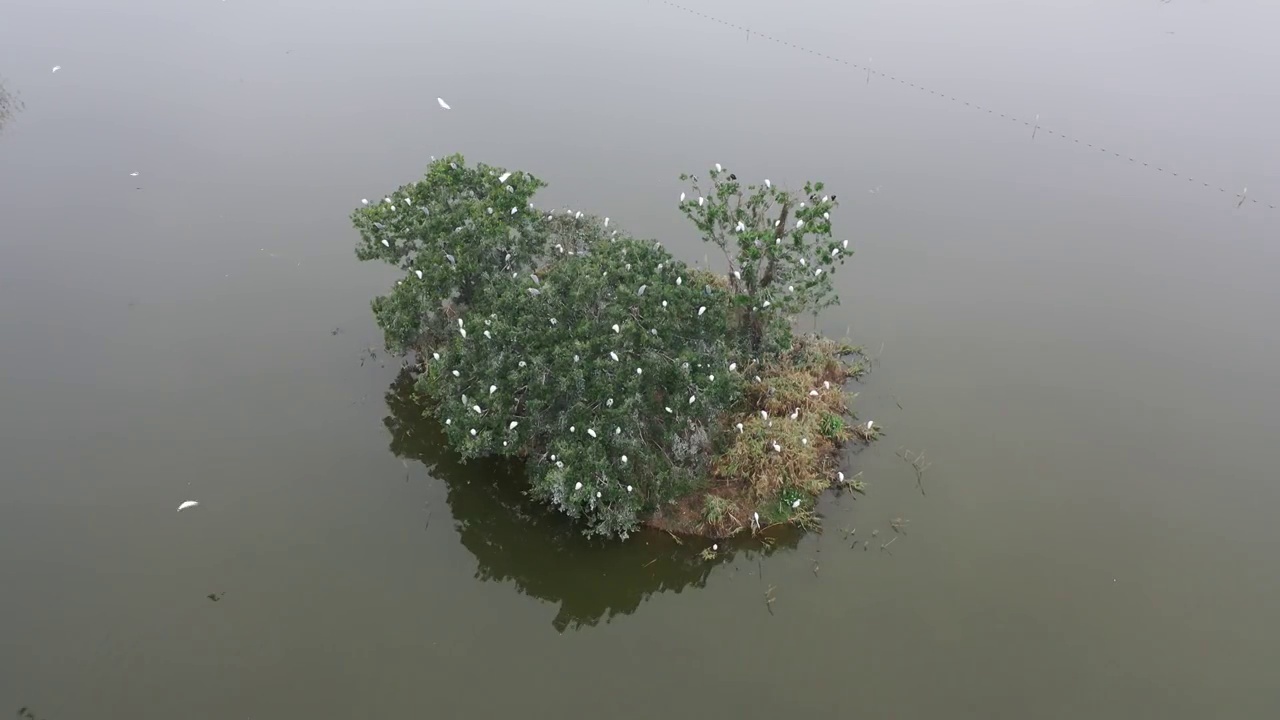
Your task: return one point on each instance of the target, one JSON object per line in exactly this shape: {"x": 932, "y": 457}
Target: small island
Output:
{"x": 636, "y": 389}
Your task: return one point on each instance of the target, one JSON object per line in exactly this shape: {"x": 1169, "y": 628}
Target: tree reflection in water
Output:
{"x": 539, "y": 551}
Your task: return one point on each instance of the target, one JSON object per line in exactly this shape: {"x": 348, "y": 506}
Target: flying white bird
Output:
{"x": 188, "y": 503}
{"x": 444, "y": 105}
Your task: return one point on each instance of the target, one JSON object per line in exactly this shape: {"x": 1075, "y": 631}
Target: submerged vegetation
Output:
{"x": 636, "y": 389}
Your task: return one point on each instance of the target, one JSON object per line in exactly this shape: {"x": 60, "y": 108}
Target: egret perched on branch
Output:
{"x": 513, "y": 425}
{"x": 503, "y": 177}
{"x": 591, "y": 432}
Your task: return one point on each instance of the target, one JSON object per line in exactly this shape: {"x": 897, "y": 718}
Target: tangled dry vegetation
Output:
{"x": 793, "y": 425}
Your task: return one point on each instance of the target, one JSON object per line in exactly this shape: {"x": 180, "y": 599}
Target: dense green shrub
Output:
{"x": 602, "y": 361}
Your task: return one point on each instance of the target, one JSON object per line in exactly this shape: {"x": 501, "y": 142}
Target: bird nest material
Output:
{"x": 782, "y": 449}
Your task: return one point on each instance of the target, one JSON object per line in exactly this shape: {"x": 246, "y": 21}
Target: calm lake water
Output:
{"x": 1084, "y": 346}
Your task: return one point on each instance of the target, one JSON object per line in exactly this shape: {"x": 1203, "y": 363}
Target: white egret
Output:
{"x": 488, "y": 335}
{"x": 444, "y": 105}
{"x": 613, "y": 355}
{"x": 457, "y": 374}
{"x": 609, "y": 403}
{"x": 804, "y": 441}
{"x": 799, "y": 224}
{"x": 388, "y": 201}
{"x": 711, "y": 378}
{"x": 385, "y": 243}
{"x": 513, "y": 425}
{"x": 826, "y": 216}
{"x": 739, "y": 427}
{"x": 795, "y": 504}
{"x": 714, "y": 547}
{"x": 628, "y": 488}
{"x": 667, "y": 409}
{"x": 776, "y": 447}
{"x": 56, "y": 68}
{"x": 702, "y": 310}
{"x": 599, "y": 494}
{"x": 503, "y": 177}
{"x": 679, "y": 281}
{"x": 624, "y": 459}
{"x": 681, "y": 197}
{"x": 522, "y": 363}
{"x": 617, "y": 431}
{"x": 664, "y": 303}
{"x": 616, "y": 328}
{"x": 870, "y": 425}
{"x": 576, "y": 358}
{"x": 737, "y": 275}
{"x": 364, "y": 201}
{"x": 591, "y": 432}
{"x": 435, "y": 356}
{"x": 700, "y": 201}
{"x": 813, "y": 393}
{"x": 692, "y": 398}
{"x": 741, "y": 226}
{"x": 795, "y": 413}
{"x": 473, "y": 432}
{"x": 464, "y": 333}
{"x": 839, "y": 477}
{"x": 767, "y": 303}
{"x": 767, "y": 183}
{"x": 817, "y": 272}
{"x": 418, "y": 273}
{"x": 573, "y": 428}
{"x": 448, "y": 421}
{"x": 803, "y": 261}
{"x": 493, "y": 389}
{"x": 718, "y": 168}
{"x": 826, "y": 384}
{"x": 578, "y": 486}
{"x": 513, "y": 210}
{"x": 606, "y": 222}
{"x": 641, "y": 290}
{"x": 764, "y": 415}
{"x": 188, "y": 503}
{"x": 639, "y": 371}
{"x": 477, "y": 409}
{"x": 554, "y": 321}
{"x": 845, "y": 244}
{"x": 733, "y": 366}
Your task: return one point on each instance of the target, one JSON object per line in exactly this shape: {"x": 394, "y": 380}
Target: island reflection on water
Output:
{"x": 541, "y": 552}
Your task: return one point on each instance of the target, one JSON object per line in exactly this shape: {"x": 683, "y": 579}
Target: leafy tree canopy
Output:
{"x": 605, "y": 363}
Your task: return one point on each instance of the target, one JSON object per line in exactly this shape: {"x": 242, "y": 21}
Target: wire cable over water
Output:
{"x": 1241, "y": 197}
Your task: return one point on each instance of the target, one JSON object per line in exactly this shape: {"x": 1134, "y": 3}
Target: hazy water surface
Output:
{"x": 1084, "y": 346}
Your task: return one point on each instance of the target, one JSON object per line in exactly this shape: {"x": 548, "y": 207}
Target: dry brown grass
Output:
{"x": 775, "y": 460}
